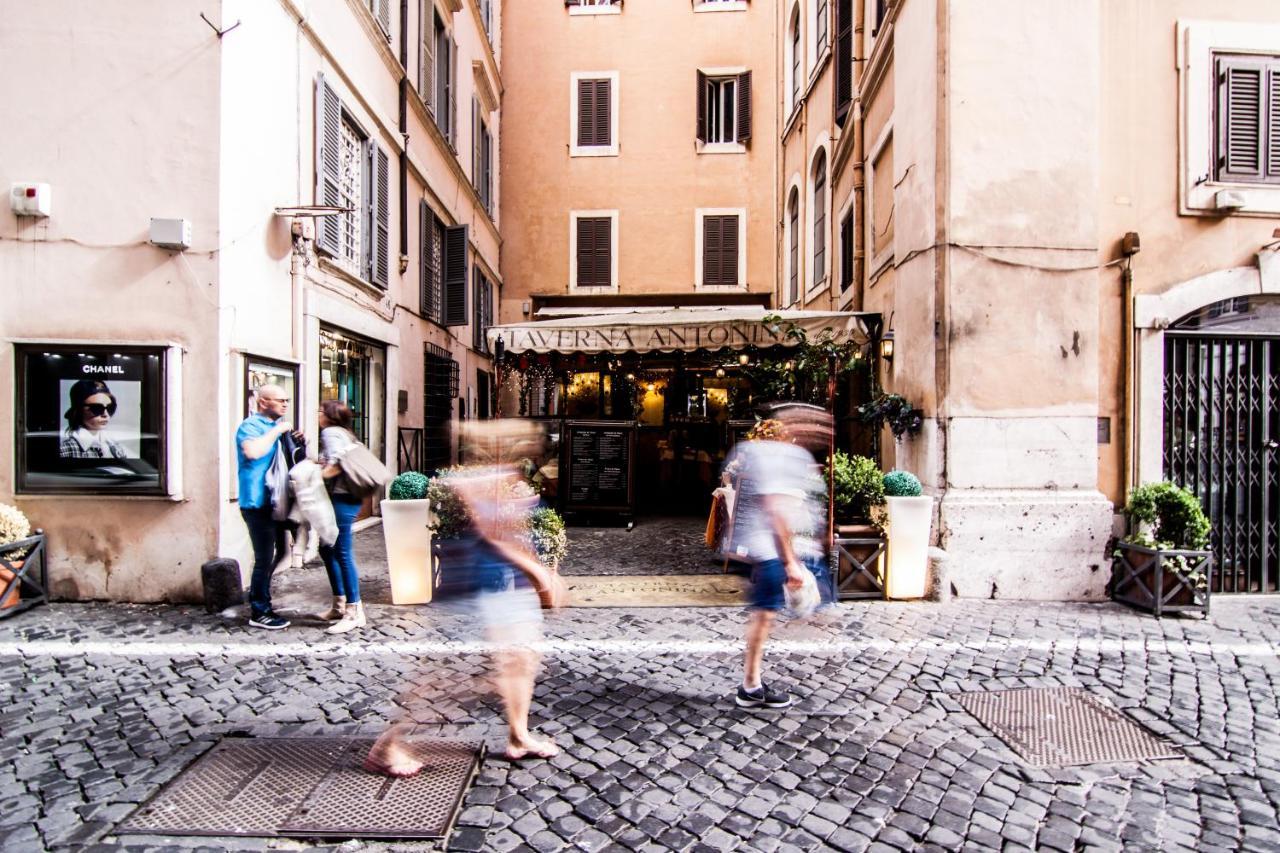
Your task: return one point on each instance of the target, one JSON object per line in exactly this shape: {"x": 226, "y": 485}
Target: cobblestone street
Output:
{"x": 105, "y": 703}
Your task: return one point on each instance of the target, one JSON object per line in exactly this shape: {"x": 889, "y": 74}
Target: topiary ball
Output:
{"x": 409, "y": 486}
{"x": 902, "y": 484}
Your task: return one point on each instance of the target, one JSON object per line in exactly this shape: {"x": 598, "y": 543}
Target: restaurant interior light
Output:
{"x": 720, "y": 372}
{"x": 744, "y": 359}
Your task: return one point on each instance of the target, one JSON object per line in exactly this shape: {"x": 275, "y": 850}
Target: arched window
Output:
{"x": 793, "y": 222}
{"x": 795, "y": 57}
{"x": 820, "y": 218}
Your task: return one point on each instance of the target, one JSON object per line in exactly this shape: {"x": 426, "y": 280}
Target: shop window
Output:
{"x": 353, "y": 372}
{"x": 266, "y": 371}
{"x": 93, "y": 420}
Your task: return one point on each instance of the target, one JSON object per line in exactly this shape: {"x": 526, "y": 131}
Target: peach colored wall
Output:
{"x": 83, "y": 119}
{"x": 1139, "y": 185}
{"x": 658, "y": 180}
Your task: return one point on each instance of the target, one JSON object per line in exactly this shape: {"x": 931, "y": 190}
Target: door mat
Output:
{"x": 1063, "y": 726}
{"x": 656, "y": 591}
{"x": 310, "y": 787}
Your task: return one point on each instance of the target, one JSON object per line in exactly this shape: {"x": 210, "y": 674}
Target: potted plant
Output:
{"x": 14, "y": 528}
{"x": 1163, "y": 565}
{"x": 859, "y": 510}
{"x": 406, "y": 528}
{"x": 894, "y": 411}
{"x": 910, "y": 518}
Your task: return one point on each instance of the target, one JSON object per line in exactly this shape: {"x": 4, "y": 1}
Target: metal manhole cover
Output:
{"x": 1063, "y": 726}
{"x": 311, "y": 787}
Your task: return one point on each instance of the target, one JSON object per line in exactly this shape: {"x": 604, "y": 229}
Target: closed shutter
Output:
{"x": 432, "y": 265}
{"x": 729, "y": 251}
{"x": 486, "y": 168}
{"x": 328, "y": 140}
{"x": 702, "y": 107}
{"x": 744, "y": 107}
{"x": 477, "y": 310}
{"x": 475, "y": 145}
{"x": 443, "y": 62}
{"x": 594, "y": 251}
{"x": 382, "y": 11}
{"x": 794, "y": 218}
{"x": 380, "y": 250}
{"x": 453, "y": 93}
{"x": 427, "y": 55}
{"x": 455, "y": 275}
{"x": 424, "y": 259}
{"x": 820, "y": 222}
{"x": 846, "y": 252}
{"x": 1248, "y": 119}
{"x": 719, "y": 251}
{"x": 844, "y": 59}
{"x": 594, "y": 112}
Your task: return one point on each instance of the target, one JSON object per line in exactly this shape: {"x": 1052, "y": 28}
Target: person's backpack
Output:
{"x": 363, "y": 471}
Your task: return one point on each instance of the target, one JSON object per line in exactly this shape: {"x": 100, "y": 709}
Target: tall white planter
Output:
{"x": 909, "y": 523}
{"x": 406, "y": 528}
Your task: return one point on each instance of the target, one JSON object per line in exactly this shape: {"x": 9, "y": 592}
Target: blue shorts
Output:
{"x": 768, "y": 580}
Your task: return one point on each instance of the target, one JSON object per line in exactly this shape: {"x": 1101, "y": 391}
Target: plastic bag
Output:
{"x": 803, "y": 600}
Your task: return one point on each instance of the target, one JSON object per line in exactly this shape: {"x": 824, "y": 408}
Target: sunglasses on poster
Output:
{"x": 98, "y": 409}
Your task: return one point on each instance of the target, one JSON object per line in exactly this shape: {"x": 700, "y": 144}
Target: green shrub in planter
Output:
{"x": 544, "y": 529}
{"x": 902, "y": 484}
{"x": 409, "y": 486}
{"x": 859, "y": 485}
{"x": 1175, "y": 516}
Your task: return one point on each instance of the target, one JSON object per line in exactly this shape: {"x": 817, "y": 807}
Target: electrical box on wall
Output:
{"x": 30, "y": 199}
{"x": 171, "y": 233}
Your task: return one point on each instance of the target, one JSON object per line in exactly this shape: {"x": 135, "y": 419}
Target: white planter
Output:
{"x": 908, "y": 531}
{"x": 407, "y": 532}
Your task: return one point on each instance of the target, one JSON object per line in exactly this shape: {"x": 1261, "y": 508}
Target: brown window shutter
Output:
{"x": 586, "y": 112}
{"x": 710, "y": 251}
{"x": 1241, "y": 104}
{"x": 569, "y": 3}
{"x": 424, "y": 259}
{"x": 702, "y": 107}
{"x": 604, "y": 252}
{"x": 820, "y": 221}
{"x": 586, "y": 253}
{"x": 744, "y": 107}
{"x": 455, "y": 275}
{"x": 603, "y": 110}
{"x": 844, "y": 59}
{"x": 594, "y": 251}
{"x": 846, "y": 252}
{"x": 1273, "y": 122}
{"x": 795, "y": 246}
{"x": 729, "y": 251}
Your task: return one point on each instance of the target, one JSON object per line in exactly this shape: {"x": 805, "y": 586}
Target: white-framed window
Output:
{"x": 594, "y": 7}
{"x": 794, "y": 261}
{"x": 724, "y": 110}
{"x": 593, "y": 114}
{"x": 593, "y": 251}
{"x": 820, "y": 219}
{"x": 720, "y": 259}
{"x": 795, "y": 70}
{"x": 1229, "y": 108}
{"x": 720, "y": 5}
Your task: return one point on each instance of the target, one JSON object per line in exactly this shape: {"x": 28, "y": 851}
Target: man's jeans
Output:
{"x": 269, "y": 547}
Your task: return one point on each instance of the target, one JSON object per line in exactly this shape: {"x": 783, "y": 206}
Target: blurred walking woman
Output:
{"x": 339, "y": 558}
{"x": 92, "y": 407}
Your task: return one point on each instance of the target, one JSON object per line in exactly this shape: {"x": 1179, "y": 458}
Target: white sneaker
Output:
{"x": 337, "y": 611}
{"x": 352, "y": 619}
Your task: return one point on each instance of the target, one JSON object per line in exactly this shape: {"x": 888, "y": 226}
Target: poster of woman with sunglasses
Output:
{"x": 90, "y": 428}
{"x": 91, "y": 419}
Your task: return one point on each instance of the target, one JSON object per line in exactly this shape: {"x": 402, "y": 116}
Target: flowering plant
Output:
{"x": 13, "y": 527}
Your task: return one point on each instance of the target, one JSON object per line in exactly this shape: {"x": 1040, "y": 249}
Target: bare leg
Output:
{"x": 516, "y": 670}
{"x": 389, "y": 755}
{"x": 758, "y": 627}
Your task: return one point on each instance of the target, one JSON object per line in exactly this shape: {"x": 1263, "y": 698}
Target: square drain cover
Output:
{"x": 1062, "y": 726}
{"x": 310, "y": 787}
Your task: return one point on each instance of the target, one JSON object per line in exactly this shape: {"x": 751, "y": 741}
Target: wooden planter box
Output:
{"x": 1147, "y": 578}
{"x": 857, "y": 563}
{"x": 24, "y": 580}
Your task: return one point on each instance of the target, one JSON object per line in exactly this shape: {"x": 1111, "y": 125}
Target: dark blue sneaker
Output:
{"x": 762, "y": 697}
{"x": 268, "y": 621}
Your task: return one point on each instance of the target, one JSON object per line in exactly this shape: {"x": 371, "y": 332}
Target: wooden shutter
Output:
{"x": 720, "y": 251}
{"x": 820, "y": 221}
{"x": 586, "y": 112}
{"x": 328, "y": 142}
{"x": 441, "y": 105}
{"x": 603, "y": 113}
{"x": 795, "y": 246}
{"x": 486, "y": 167}
{"x": 453, "y": 93}
{"x": 702, "y": 107}
{"x": 846, "y": 252}
{"x": 729, "y": 251}
{"x": 477, "y": 310}
{"x": 1241, "y": 108}
{"x": 744, "y": 107}
{"x": 427, "y": 55}
{"x": 604, "y": 252}
{"x": 380, "y": 250}
{"x": 382, "y": 11}
{"x": 475, "y": 145}
{"x": 424, "y": 259}
{"x": 455, "y": 275}
{"x": 844, "y": 59}
{"x": 594, "y": 251}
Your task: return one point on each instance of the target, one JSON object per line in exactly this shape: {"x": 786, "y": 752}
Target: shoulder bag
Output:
{"x": 363, "y": 471}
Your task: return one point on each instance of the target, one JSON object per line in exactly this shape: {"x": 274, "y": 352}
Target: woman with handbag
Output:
{"x": 336, "y": 439}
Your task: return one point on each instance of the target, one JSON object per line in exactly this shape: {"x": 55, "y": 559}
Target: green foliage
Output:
{"x": 902, "y": 484}
{"x": 409, "y": 486}
{"x": 895, "y": 411}
{"x": 1175, "y": 515}
{"x": 810, "y": 363}
{"x": 543, "y": 529}
{"x": 548, "y": 537}
{"x": 859, "y": 484}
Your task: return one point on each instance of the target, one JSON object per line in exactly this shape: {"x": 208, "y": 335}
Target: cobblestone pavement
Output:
{"x": 104, "y": 703}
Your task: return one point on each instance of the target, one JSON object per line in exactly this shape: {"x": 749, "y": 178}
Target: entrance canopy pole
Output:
{"x": 831, "y": 453}
{"x": 499, "y": 352}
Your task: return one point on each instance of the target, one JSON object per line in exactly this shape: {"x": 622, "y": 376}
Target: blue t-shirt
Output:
{"x": 253, "y": 472}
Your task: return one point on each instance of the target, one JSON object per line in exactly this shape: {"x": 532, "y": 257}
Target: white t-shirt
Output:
{"x": 789, "y": 476}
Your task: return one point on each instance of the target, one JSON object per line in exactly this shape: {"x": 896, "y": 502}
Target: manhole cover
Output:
{"x": 309, "y": 787}
{"x": 1062, "y": 726}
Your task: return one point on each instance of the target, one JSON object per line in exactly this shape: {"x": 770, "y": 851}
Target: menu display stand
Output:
{"x": 599, "y": 458}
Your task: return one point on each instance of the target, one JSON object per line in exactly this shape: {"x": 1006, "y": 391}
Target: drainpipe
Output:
{"x": 1127, "y": 343}
{"x": 404, "y": 135}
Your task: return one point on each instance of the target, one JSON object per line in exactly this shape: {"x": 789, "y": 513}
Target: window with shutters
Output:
{"x": 446, "y": 83}
{"x": 353, "y": 173}
{"x": 381, "y": 10}
{"x": 431, "y": 304}
{"x": 593, "y": 7}
{"x": 846, "y": 251}
{"x": 793, "y": 252}
{"x": 721, "y": 257}
{"x": 844, "y": 60}
{"x": 720, "y": 5}
{"x": 820, "y": 220}
{"x": 481, "y": 310}
{"x": 593, "y": 114}
{"x": 427, "y": 26}
{"x": 1247, "y": 119}
{"x": 795, "y": 73}
{"x": 454, "y": 266}
{"x": 486, "y": 17}
{"x": 1229, "y": 118}
{"x": 593, "y": 259}
{"x": 723, "y": 110}
{"x": 482, "y": 157}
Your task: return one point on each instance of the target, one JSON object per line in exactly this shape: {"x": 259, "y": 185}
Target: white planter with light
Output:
{"x": 910, "y": 520}
{"x": 406, "y": 528}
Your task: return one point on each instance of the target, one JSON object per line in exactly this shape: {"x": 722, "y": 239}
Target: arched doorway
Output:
{"x": 1221, "y": 431}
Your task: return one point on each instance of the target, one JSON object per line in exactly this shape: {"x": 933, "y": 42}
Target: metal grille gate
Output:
{"x": 1222, "y": 441}
{"x": 439, "y": 387}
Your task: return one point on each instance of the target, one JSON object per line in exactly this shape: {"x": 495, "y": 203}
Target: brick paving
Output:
{"x": 104, "y": 703}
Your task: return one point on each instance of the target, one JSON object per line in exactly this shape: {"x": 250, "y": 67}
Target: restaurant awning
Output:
{"x": 678, "y": 329}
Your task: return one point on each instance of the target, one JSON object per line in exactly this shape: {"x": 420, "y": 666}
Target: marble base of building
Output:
{"x": 1030, "y": 545}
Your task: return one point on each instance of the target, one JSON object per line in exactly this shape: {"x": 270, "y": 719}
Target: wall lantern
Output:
{"x": 886, "y": 346}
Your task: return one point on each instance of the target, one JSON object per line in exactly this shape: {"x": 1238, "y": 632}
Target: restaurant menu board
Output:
{"x": 600, "y": 455}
